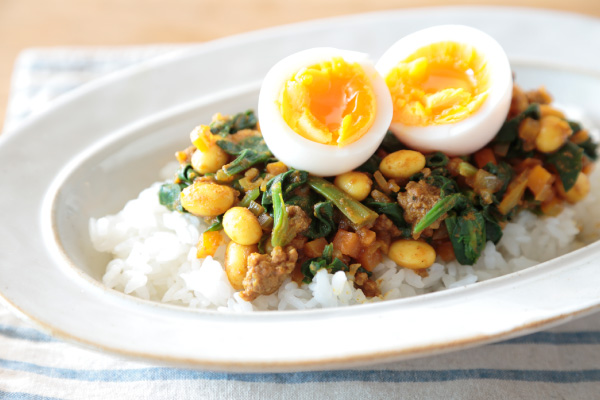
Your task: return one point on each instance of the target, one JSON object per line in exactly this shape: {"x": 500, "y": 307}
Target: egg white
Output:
{"x": 478, "y": 129}
{"x": 300, "y": 153}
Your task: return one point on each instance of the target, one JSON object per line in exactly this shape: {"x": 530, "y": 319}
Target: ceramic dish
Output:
{"x": 98, "y": 147}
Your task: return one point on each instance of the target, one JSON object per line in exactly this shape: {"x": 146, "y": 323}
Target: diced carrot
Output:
{"x": 297, "y": 275}
{"x": 514, "y": 193}
{"x": 371, "y": 256}
{"x": 445, "y": 250}
{"x": 539, "y": 182}
{"x": 347, "y": 243}
{"x": 367, "y": 236}
{"x": 208, "y": 244}
{"x": 484, "y": 156}
{"x": 580, "y": 137}
{"x": 314, "y": 248}
{"x": 553, "y": 207}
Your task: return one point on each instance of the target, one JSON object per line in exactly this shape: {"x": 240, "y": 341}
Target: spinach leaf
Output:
{"x": 290, "y": 180}
{"x": 509, "y": 131}
{"x": 244, "y": 120}
{"x": 281, "y": 234}
{"x": 575, "y": 126}
{"x": 169, "y": 196}
{"x": 322, "y": 225}
{"x": 447, "y": 185}
{"x": 393, "y": 211}
{"x": 468, "y": 235}
{"x": 590, "y": 149}
{"x": 310, "y": 267}
{"x": 371, "y": 165}
{"x": 391, "y": 143}
{"x": 244, "y": 161}
{"x": 249, "y": 151}
{"x": 217, "y": 225}
{"x": 186, "y": 174}
{"x": 588, "y": 146}
{"x": 568, "y": 161}
{"x": 440, "y": 208}
{"x": 356, "y": 212}
{"x": 435, "y": 160}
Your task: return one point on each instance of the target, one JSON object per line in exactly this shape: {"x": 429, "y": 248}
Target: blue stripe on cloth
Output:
{"x": 23, "y": 396}
{"x": 558, "y": 338}
{"x": 174, "y": 374}
{"x": 30, "y": 334}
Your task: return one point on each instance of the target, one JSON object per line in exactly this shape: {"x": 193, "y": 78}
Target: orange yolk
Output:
{"x": 441, "y": 83}
{"x": 329, "y": 103}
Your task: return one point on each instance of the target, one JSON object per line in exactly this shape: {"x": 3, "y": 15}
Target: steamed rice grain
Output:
{"x": 154, "y": 258}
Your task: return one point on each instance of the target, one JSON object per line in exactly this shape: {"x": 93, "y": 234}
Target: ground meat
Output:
{"x": 418, "y": 199}
{"x": 368, "y": 286}
{"x": 267, "y": 272}
{"x": 385, "y": 229}
{"x": 297, "y": 219}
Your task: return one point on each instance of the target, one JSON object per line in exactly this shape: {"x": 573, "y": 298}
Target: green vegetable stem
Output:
{"x": 281, "y": 234}
{"x": 357, "y": 213}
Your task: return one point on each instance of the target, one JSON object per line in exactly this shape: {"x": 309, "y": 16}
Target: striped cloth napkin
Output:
{"x": 560, "y": 363}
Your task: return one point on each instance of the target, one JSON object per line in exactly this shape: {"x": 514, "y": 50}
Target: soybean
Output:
{"x": 242, "y": 226}
{"x": 209, "y": 161}
{"x": 413, "y": 254}
{"x": 402, "y": 164}
{"x": 356, "y": 184}
{"x": 207, "y": 199}
{"x": 236, "y": 262}
{"x": 554, "y": 132}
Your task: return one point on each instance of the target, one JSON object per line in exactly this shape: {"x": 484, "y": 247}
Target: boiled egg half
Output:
{"x": 324, "y": 110}
{"x": 451, "y": 88}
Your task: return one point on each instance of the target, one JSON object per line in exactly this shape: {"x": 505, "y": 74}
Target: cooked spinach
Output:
{"x": 217, "y": 225}
{"x": 435, "y": 160}
{"x": 590, "y": 149}
{"x": 568, "y": 161}
{"x": 229, "y": 125}
{"x": 467, "y": 232}
{"x": 393, "y": 211}
{"x": 249, "y": 151}
{"x": 509, "y": 131}
{"x": 290, "y": 180}
{"x": 310, "y": 267}
{"x": 391, "y": 143}
{"x": 371, "y": 165}
{"x": 447, "y": 185}
{"x": 356, "y": 212}
{"x": 440, "y": 208}
{"x": 322, "y": 225}
{"x": 281, "y": 234}
{"x": 187, "y": 174}
{"x": 169, "y": 196}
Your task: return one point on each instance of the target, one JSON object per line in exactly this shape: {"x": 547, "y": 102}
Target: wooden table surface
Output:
{"x": 40, "y": 23}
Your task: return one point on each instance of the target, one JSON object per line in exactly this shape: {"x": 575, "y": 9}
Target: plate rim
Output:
{"x": 121, "y": 76}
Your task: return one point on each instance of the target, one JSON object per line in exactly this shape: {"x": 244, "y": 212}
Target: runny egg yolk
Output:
{"x": 330, "y": 103}
{"x": 441, "y": 83}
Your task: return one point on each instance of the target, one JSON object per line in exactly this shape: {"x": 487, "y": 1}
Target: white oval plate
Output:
{"x": 99, "y": 146}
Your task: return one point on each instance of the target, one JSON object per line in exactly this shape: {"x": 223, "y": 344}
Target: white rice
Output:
{"x": 155, "y": 258}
